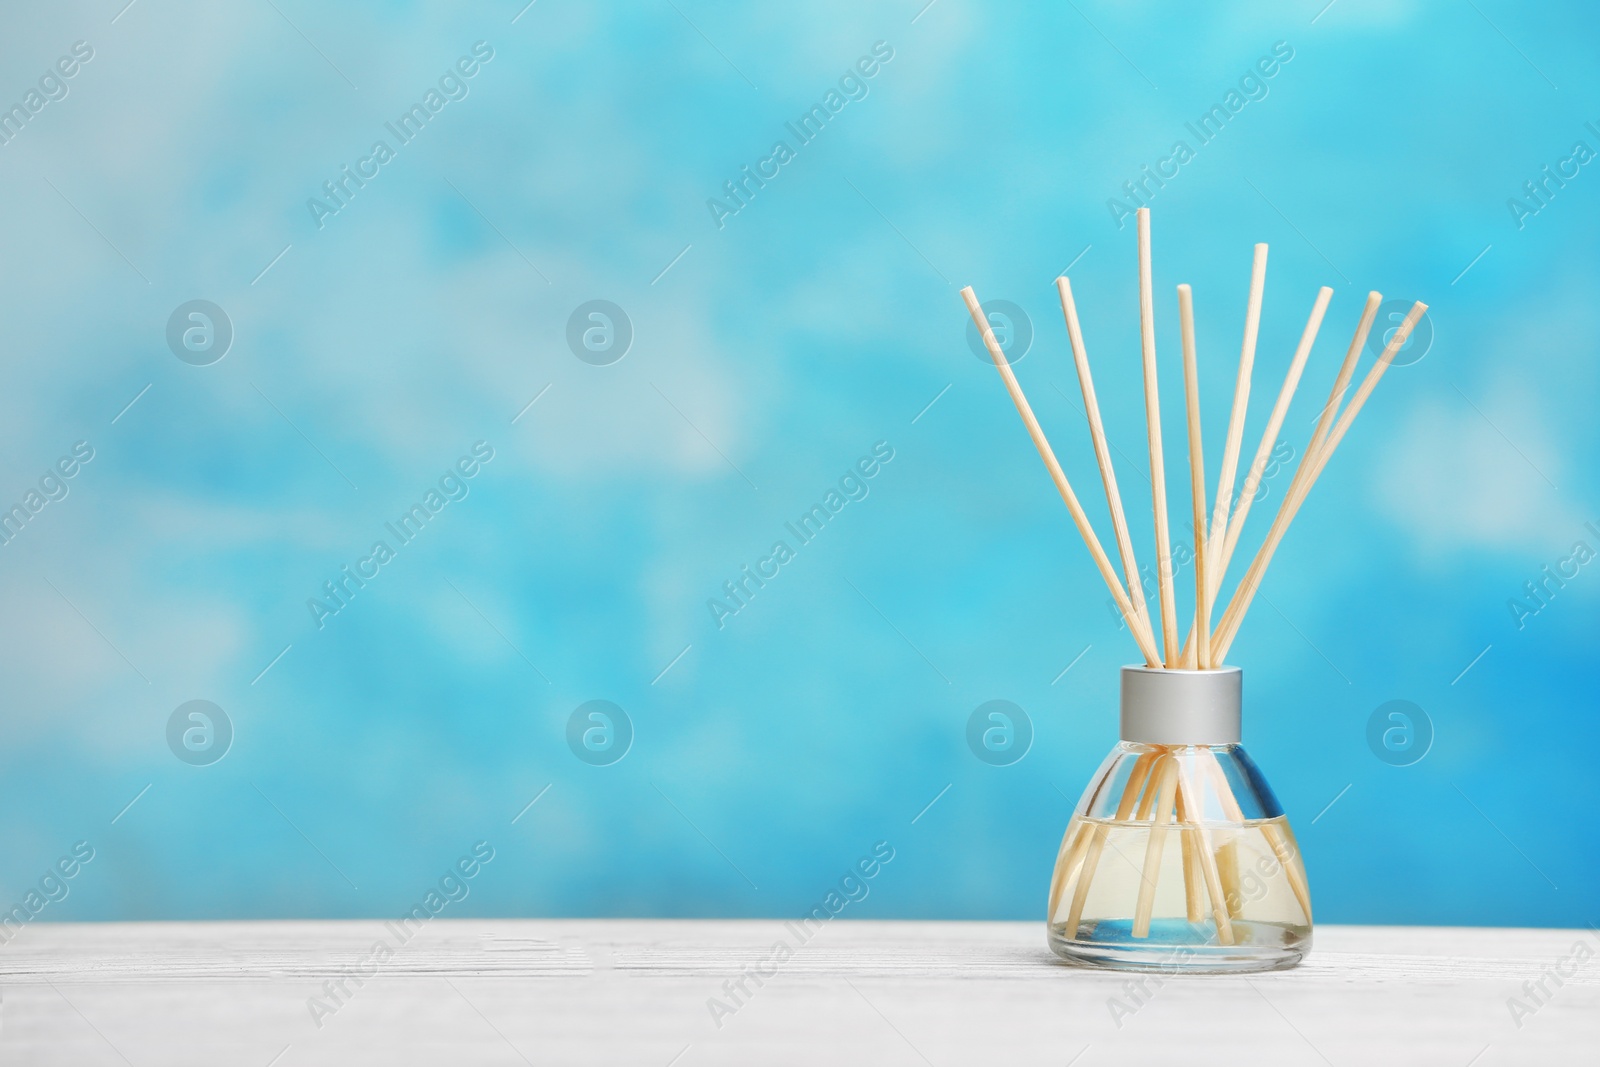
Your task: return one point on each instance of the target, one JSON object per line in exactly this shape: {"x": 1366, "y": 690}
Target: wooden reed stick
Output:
{"x": 1080, "y": 890}
{"x": 1081, "y": 520}
{"x": 1347, "y": 370}
{"x": 1228, "y": 853}
{"x": 1228, "y": 869}
{"x": 1284, "y": 846}
{"x": 1080, "y": 845}
{"x": 1193, "y": 880}
{"x": 1147, "y": 802}
{"x": 1252, "y": 580}
{"x": 1165, "y": 777}
{"x": 1368, "y": 384}
{"x": 1241, "y": 404}
{"x": 1293, "y": 872}
{"x": 1195, "y": 653}
{"x": 1308, "y": 458}
{"x": 1097, "y": 433}
{"x": 1097, "y": 840}
{"x": 1137, "y": 779}
{"x": 1208, "y": 859}
{"x": 1269, "y": 437}
{"x": 1158, "y": 472}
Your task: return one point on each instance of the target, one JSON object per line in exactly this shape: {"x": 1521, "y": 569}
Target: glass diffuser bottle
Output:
{"x": 1179, "y": 858}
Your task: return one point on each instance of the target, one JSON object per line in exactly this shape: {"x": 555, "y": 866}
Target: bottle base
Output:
{"x": 1175, "y": 946}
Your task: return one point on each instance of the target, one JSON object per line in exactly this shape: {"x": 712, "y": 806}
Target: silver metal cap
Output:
{"x": 1174, "y": 707}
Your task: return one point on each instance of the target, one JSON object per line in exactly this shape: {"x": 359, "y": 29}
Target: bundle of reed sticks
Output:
{"x": 1206, "y": 645}
{"x": 1164, "y": 786}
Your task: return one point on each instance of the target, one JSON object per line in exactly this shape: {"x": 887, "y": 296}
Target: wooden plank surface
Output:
{"x": 648, "y": 992}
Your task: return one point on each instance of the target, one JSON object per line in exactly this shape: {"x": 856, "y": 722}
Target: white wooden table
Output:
{"x": 883, "y": 993}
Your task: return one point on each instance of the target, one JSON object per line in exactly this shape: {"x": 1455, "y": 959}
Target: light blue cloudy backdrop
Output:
{"x": 769, "y": 356}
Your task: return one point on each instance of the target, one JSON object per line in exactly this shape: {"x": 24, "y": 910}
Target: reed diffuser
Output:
{"x": 1179, "y": 857}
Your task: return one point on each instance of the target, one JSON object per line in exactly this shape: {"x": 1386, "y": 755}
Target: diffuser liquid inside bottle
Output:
{"x": 1116, "y": 903}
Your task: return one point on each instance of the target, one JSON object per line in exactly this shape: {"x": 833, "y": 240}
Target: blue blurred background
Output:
{"x": 773, "y": 347}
